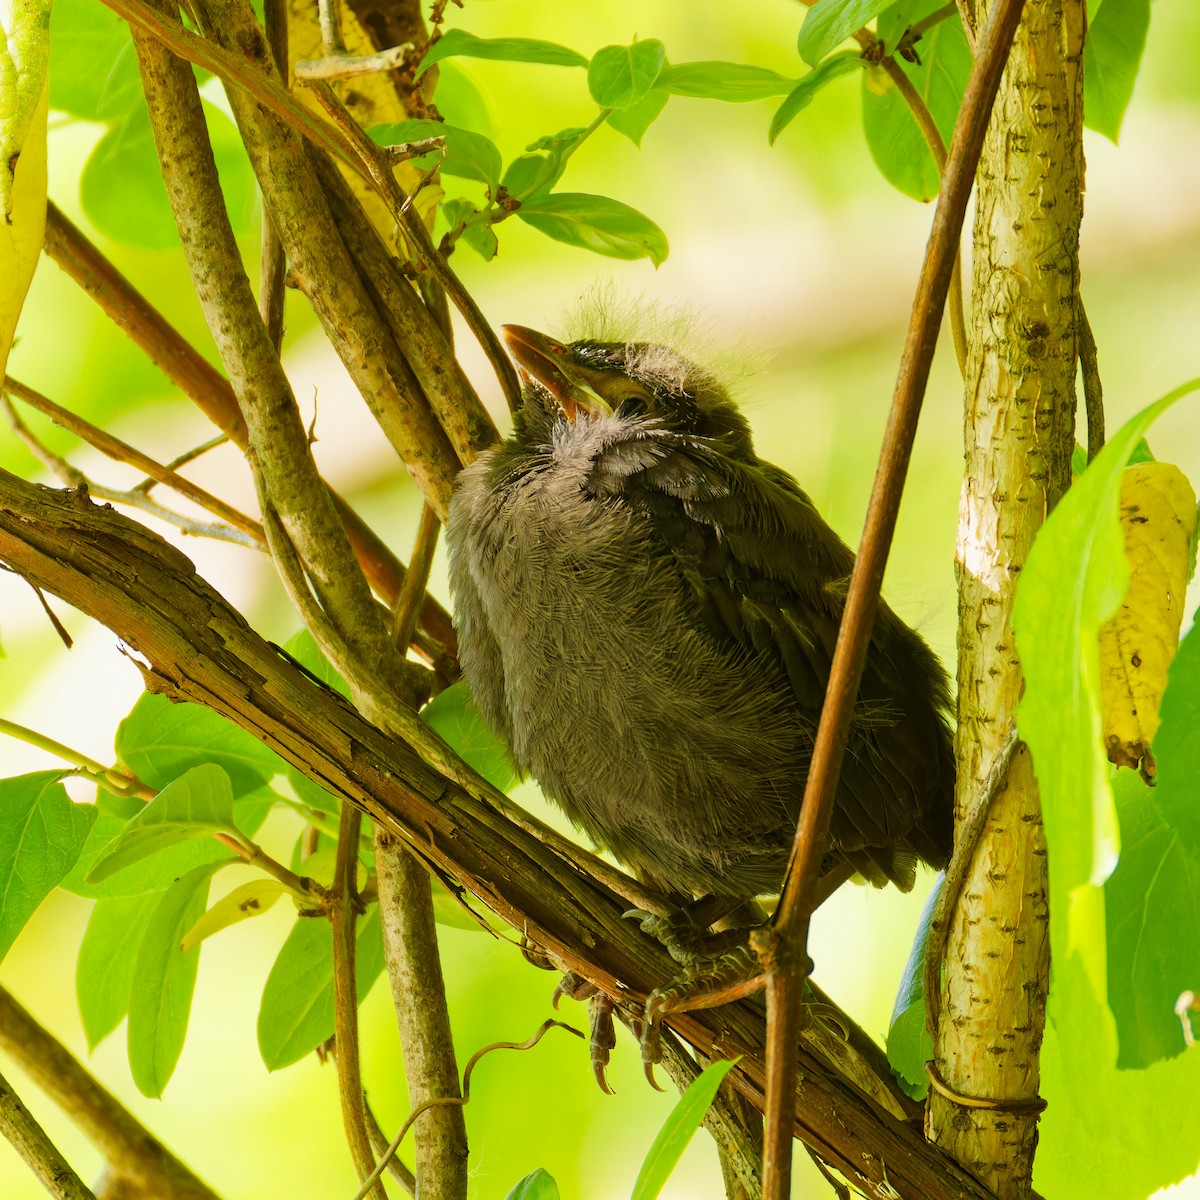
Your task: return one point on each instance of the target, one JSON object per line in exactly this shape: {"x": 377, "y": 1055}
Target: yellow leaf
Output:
{"x": 1158, "y": 514}
{"x": 24, "y": 52}
{"x": 250, "y": 900}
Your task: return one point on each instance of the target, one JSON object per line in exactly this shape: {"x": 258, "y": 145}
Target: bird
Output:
{"x": 646, "y": 614}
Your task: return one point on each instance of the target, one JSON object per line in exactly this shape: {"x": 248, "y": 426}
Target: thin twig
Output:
{"x": 272, "y": 262}
{"x": 182, "y": 460}
{"x": 344, "y": 919}
{"x": 329, "y": 17}
{"x": 397, "y": 1168}
{"x": 151, "y": 332}
{"x": 1093, "y": 389}
{"x": 966, "y": 839}
{"x": 347, "y": 66}
{"x": 937, "y": 147}
{"x": 120, "y": 451}
{"x": 412, "y": 593}
{"x": 790, "y": 923}
{"x": 72, "y": 477}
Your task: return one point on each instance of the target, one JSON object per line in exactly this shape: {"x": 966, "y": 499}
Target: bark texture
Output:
{"x": 1019, "y": 428}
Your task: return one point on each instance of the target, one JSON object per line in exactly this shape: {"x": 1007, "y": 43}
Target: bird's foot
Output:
{"x": 706, "y": 982}
{"x": 602, "y": 1035}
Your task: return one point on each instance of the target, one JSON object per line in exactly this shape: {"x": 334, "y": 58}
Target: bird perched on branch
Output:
{"x": 647, "y": 614}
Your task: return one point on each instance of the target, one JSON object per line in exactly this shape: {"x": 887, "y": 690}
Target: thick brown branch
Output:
{"x": 198, "y": 648}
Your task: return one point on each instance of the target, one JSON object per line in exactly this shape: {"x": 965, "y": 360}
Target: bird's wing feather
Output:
{"x": 770, "y": 577}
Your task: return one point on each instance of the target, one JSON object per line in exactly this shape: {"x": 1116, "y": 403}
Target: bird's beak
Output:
{"x": 553, "y": 365}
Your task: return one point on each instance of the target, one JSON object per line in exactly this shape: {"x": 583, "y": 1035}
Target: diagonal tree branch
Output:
{"x": 195, "y": 647}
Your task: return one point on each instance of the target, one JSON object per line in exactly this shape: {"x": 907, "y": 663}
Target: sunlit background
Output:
{"x": 798, "y": 257}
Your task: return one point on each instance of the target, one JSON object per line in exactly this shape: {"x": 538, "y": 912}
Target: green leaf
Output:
{"x": 448, "y": 910}
{"x": 481, "y": 237}
{"x": 468, "y": 155}
{"x": 1073, "y": 581}
{"x": 296, "y": 1015}
{"x": 732, "y": 82}
{"x": 1112, "y": 56}
{"x": 637, "y": 118}
{"x": 619, "y": 76}
{"x": 95, "y": 75}
{"x": 164, "y": 979}
{"x": 803, "y": 93}
{"x": 122, "y": 189}
{"x": 159, "y": 740}
{"x": 303, "y": 648}
{"x": 678, "y": 1130}
{"x": 527, "y": 50}
{"x": 893, "y": 135}
{"x": 41, "y": 835}
{"x": 1152, "y": 915}
{"x": 900, "y": 16}
{"x": 596, "y": 223}
{"x": 198, "y": 804}
{"x": 909, "y": 1047}
{"x": 250, "y": 899}
{"x": 1120, "y": 1135}
{"x": 168, "y": 864}
{"x": 537, "y": 1185}
{"x": 454, "y": 715}
{"x": 107, "y": 959}
{"x": 529, "y": 174}
{"x": 830, "y": 22}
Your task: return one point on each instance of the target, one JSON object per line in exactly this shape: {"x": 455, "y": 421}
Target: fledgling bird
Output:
{"x": 647, "y": 614}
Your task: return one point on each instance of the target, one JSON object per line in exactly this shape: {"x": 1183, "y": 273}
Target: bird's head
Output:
{"x": 640, "y": 380}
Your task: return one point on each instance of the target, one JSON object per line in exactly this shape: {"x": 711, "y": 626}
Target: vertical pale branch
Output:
{"x": 1020, "y": 403}
{"x": 419, "y": 998}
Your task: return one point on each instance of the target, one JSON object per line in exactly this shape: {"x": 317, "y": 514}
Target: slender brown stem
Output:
{"x": 412, "y": 593}
{"x": 933, "y": 139}
{"x": 790, "y": 924}
{"x": 151, "y": 332}
{"x": 272, "y": 259}
{"x": 344, "y": 918}
{"x": 119, "y": 451}
{"x": 1093, "y": 389}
